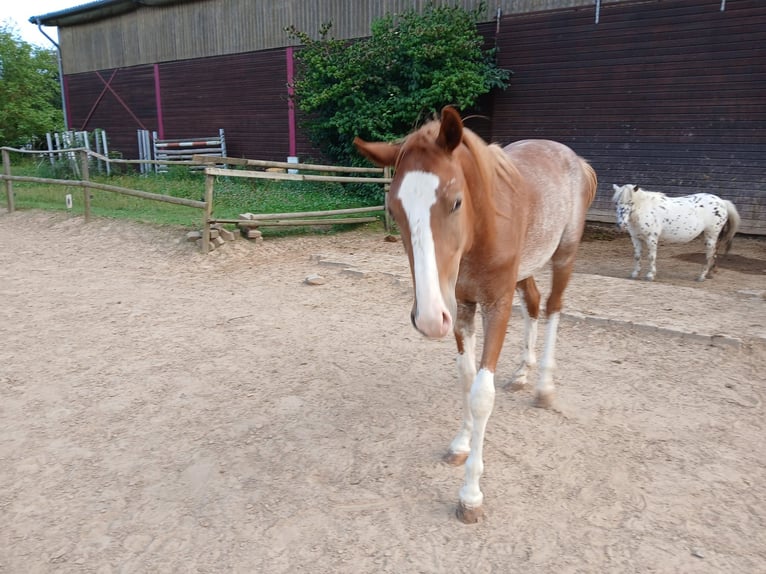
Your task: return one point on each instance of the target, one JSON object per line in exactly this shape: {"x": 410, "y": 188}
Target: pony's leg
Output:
{"x": 465, "y": 337}
{"x": 651, "y": 247}
{"x": 530, "y": 310}
{"x": 711, "y": 245}
{"x": 482, "y": 400}
{"x": 636, "y": 255}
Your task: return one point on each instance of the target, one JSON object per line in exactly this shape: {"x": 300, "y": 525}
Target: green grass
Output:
{"x": 232, "y": 196}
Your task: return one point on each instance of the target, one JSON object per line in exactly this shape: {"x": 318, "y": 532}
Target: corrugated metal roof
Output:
{"x": 93, "y": 11}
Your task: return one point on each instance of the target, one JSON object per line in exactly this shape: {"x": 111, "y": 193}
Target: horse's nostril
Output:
{"x": 412, "y": 318}
{"x": 446, "y": 322}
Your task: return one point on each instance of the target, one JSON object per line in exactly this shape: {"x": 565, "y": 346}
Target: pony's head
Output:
{"x": 623, "y": 200}
{"x": 430, "y": 204}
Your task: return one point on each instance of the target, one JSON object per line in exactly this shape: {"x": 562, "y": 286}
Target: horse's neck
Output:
{"x": 481, "y": 191}
{"x": 641, "y": 197}
{"x": 492, "y": 212}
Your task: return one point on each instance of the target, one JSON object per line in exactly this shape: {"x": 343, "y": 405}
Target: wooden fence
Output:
{"x": 287, "y": 171}
{"x": 171, "y": 150}
{"x": 265, "y": 219}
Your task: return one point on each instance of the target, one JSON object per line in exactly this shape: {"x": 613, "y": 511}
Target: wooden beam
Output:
{"x": 308, "y": 213}
{"x": 291, "y": 176}
{"x": 303, "y": 166}
{"x": 304, "y": 222}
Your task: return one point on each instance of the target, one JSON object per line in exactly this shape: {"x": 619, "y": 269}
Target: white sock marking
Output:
{"x": 482, "y": 401}
{"x": 548, "y": 361}
{"x": 466, "y": 368}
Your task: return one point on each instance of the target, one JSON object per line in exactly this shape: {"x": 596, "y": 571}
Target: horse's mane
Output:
{"x": 638, "y": 196}
{"x": 492, "y": 163}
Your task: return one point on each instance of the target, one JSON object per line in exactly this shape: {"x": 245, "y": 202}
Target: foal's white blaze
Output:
{"x": 418, "y": 194}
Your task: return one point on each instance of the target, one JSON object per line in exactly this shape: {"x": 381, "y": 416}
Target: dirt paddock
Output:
{"x": 166, "y": 411}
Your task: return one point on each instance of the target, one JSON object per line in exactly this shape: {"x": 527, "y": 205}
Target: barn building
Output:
{"x": 668, "y": 94}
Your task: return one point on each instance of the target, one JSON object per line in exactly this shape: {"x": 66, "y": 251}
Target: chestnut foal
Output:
{"x": 477, "y": 221}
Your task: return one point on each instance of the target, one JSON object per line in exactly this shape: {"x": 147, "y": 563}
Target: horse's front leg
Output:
{"x": 482, "y": 400}
{"x": 651, "y": 248}
{"x": 465, "y": 337}
{"x": 530, "y": 310}
{"x": 636, "y": 255}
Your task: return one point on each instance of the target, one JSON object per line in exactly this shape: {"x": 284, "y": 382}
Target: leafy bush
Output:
{"x": 30, "y": 103}
{"x": 382, "y": 87}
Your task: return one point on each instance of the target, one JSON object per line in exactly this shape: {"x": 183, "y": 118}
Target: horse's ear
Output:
{"x": 616, "y": 187}
{"x": 381, "y": 154}
{"x": 635, "y": 188}
{"x": 451, "y": 131}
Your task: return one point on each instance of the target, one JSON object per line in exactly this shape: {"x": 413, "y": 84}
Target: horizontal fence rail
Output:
{"x": 279, "y": 171}
{"x": 166, "y": 150}
{"x": 287, "y": 171}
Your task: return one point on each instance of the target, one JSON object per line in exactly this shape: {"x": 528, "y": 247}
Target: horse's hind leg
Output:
{"x": 530, "y": 310}
{"x": 465, "y": 337}
{"x": 711, "y": 248}
{"x": 563, "y": 264}
{"x": 711, "y": 245}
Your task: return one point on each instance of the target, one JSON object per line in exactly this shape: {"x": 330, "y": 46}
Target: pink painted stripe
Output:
{"x": 290, "y": 105}
{"x": 189, "y": 143}
{"x": 158, "y": 101}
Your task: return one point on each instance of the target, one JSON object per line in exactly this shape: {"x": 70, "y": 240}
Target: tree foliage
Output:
{"x": 30, "y": 96}
{"x": 383, "y": 86}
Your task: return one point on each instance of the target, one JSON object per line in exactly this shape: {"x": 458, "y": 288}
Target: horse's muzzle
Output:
{"x": 436, "y": 327}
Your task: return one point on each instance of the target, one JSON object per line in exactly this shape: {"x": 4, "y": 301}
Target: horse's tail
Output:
{"x": 591, "y": 181}
{"x": 730, "y": 229}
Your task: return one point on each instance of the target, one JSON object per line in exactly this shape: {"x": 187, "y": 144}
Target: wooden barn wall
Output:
{"x": 120, "y": 101}
{"x": 203, "y": 28}
{"x": 244, "y": 94}
{"x": 670, "y": 95}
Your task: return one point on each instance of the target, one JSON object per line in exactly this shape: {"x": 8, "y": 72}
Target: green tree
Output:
{"x": 383, "y": 86}
{"x": 30, "y": 96}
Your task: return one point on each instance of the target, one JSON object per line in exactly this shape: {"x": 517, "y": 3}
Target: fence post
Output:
{"x": 8, "y": 182}
{"x": 209, "y": 182}
{"x": 105, "y": 147}
{"x": 386, "y": 215}
{"x": 85, "y": 177}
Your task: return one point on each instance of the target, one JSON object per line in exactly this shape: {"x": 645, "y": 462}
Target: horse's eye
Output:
{"x": 456, "y": 205}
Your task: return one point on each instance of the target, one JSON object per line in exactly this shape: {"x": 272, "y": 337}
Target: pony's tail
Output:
{"x": 731, "y": 227}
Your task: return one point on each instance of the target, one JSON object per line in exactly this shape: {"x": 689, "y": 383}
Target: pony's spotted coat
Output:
{"x": 651, "y": 217}
{"x": 477, "y": 222}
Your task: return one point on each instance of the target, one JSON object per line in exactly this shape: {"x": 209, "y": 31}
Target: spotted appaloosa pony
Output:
{"x": 651, "y": 216}
{"x": 477, "y": 221}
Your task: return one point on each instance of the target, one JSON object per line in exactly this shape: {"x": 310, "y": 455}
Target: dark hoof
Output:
{"x": 515, "y": 386}
{"x": 455, "y": 458}
{"x": 544, "y": 400}
{"x": 468, "y": 515}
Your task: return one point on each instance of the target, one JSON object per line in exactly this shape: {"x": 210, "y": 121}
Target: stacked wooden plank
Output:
{"x": 219, "y": 235}
{"x": 305, "y": 218}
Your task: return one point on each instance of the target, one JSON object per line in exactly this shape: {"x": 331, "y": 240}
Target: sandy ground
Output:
{"x": 166, "y": 411}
